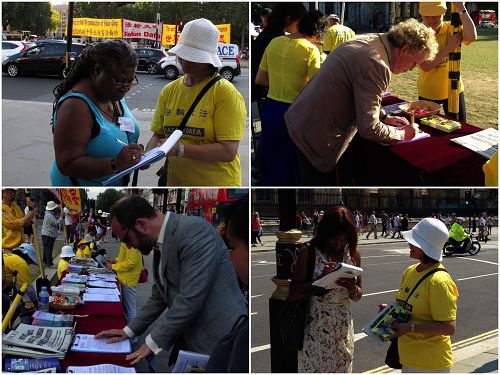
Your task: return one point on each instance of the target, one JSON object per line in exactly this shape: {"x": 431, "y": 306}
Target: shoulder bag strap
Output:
{"x": 191, "y": 109}
{"x": 311, "y": 261}
{"x": 423, "y": 278}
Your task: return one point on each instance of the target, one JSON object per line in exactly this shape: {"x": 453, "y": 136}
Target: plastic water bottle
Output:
{"x": 43, "y": 300}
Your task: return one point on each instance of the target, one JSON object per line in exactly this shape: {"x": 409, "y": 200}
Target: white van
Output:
{"x": 228, "y": 53}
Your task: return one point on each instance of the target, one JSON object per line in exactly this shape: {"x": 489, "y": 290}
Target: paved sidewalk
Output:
{"x": 28, "y": 152}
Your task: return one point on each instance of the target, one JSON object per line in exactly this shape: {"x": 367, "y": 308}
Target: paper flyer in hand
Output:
{"x": 190, "y": 362}
{"x": 379, "y": 328}
{"x": 342, "y": 270}
{"x": 150, "y": 157}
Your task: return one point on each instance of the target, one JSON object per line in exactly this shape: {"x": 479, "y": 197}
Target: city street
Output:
{"x": 27, "y": 137}
{"x": 383, "y": 262}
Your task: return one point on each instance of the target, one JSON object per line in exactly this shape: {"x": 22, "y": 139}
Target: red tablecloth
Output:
{"x": 434, "y": 161}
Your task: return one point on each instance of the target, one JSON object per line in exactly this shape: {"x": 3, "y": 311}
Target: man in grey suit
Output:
{"x": 195, "y": 294}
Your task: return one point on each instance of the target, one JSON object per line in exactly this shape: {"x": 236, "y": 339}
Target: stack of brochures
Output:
{"x": 190, "y": 362}
{"x": 109, "y": 277}
{"x": 379, "y": 328}
{"x": 100, "y": 369}
{"x": 102, "y": 284}
{"x": 86, "y": 262}
{"x": 441, "y": 123}
{"x": 38, "y": 342}
{"x": 73, "y": 278}
{"x": 46, "y": 319}
{"x": 87, "y": 343}
{"x": 31, "y": 364}
{"x": 67, "y": 290}
{"x": 114, "y": 291}
{"x": 94, "y": 297}
{"x": 342, "y": 270}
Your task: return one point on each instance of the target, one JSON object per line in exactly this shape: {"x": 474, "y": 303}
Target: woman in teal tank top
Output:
{"x": 90, "y": 114}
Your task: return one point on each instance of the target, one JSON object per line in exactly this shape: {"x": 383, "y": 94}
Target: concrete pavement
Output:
{"x": 28, "y": 148}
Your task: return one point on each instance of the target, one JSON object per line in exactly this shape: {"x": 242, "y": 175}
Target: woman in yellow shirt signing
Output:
{"x": 289, "y": 62}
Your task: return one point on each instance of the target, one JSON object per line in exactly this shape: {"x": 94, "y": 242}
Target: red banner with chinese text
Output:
{"x": 71, "y": 199}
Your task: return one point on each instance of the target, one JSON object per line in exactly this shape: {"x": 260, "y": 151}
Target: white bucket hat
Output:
{"x": 198, "y": 43}
{"x": 429, "y": 235}
{"x": 67, "y": 252}
{"x": 51, "y": 205}
{"x": 29, "y": 249}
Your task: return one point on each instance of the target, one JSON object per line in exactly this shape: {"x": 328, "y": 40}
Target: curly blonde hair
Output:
{"x": 417, "y": 36}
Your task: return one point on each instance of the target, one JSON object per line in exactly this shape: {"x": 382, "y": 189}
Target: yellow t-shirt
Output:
{"x": 128, "y": 265}
{"x": 61, "y": 267}
{"x": 219, "y": 116}
{"x": 83, "y": 253}
{"x": 335, "y": 36}
{"x": 13, "y": 262}
{"x": 434, "y": 300}
{"x": 290, "y": 64}
{"x": 12, "y": 228}
{"x": 434, "y": 83}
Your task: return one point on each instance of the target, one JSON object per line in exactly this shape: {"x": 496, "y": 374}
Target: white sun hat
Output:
{"x": 51, "y": 205}
{"x": 429, "y": 235}
{"x": 67, "y": 252}
{"x": 198, "y": 43}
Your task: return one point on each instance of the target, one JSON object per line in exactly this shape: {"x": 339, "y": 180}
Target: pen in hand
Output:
{"x": 125, "y": 144}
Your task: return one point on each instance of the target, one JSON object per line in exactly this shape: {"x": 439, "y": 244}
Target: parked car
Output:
{"x": 49, "y": 59}
{"x": 148, "y": 59}
{"x": 13, "y": 47}
{"x": 228, "y": 53}
{"x": 486, "y": 24}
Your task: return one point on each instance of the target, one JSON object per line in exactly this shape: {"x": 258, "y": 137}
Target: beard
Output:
{"x": 146, "y": 244}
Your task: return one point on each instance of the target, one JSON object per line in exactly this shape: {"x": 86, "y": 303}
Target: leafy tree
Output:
{"x": 35, "y": 17}
{"x": 55, "y": 20}
{"x": 106, "y": 199}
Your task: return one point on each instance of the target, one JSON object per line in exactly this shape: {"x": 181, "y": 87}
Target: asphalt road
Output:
{"x": 140, "y": 98}
{"x": 476, "y": 278}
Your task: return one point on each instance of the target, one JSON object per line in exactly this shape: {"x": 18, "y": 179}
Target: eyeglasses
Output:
{"x": 118, "y": 84}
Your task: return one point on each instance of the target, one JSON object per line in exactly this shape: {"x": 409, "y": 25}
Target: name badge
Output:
{"x": 126, "y": 124}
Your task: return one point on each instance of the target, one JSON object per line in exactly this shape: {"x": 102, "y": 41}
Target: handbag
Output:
{"x": 143, "y": 276}
{"x": 392, "y": 356}
{"x": 162, "y": 172}
{"x": 294, "y": 313}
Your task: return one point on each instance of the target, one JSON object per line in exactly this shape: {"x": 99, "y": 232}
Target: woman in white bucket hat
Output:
{"x": 207, "y": 153}
{"x": 50, "y": 230}
{"x": 424, "y": 343}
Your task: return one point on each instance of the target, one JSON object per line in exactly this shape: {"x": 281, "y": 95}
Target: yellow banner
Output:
{"x": 97, "y": 28}
{"x": 71, "y": 199}
{"x": 168, "y": 35}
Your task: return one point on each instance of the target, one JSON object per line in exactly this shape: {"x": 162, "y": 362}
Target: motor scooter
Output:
{"x": 454, "y": 247}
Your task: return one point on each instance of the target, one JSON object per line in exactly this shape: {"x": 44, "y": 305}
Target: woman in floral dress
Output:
{"x": 329, "y": 331}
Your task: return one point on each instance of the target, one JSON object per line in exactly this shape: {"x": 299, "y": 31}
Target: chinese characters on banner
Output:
{"x": 98, "y": 28}
{"x": 71, "y": 199}
{"x": 144, "y": 30}
{"x": 168, "y": 37}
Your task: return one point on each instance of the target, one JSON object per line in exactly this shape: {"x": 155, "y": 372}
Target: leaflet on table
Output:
{"x": 484, "y": 142}
{"x": 72, "y": 278}
{"x": 31, "y": 364}
{"x": 190, "y": 362}
{"x": 419, "y": 136}
{"x": 53, "y": 340}
{"x": 87, "y": 343}
{"x": 93, "y": 297}
{"x": 66, "y": 289}
{"x": 342, "y": 270}
{"x": 379, "y": 328}
{"x": 109, "y": 277}
{"x": 150, "y": 157}
{"x": 101, "y": 284}
{"x": 101, "y": 369}
{"x": 41, "y": 318}
{"x": 115, "y": 291}
{"x": 441, "y": 123}
{"x": 394, "y": 108}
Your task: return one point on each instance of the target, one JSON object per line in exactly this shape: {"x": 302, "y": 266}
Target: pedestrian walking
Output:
{"x": 256, "y": 229}
{"x": 383, "y": 218}
{"x": 372, "y": 222}
{"x": 50, "y": 230}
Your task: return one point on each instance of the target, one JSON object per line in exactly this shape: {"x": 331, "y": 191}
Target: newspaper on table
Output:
{"x": 66, "y": 290}
{"x": 114, "y": 291}
{"x": 44, "y": 341}
{"x": 342, "y": 270}
{"x": 101, "y": 369}
{"x": 87, "y": 343}
{"x": 110, "y": 277}
{"x": 379, "y": 328}
{"x": 484, "y": 142}
{"x": 94, "y": 297}
{"x": 41, "y": 318}
{"x": 73, "y": 278}
{"x": 102, "y": 284}
{"x": 83, "y": 261}
{"x": 31, "y": 364}
{"x": 190, "y": 362}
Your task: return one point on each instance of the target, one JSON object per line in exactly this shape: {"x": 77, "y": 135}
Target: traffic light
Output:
{"x": 180, "y": 25}
{"x": 468, "y": 197}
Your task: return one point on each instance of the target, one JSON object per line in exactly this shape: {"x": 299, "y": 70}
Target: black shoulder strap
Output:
{"x": 197, "y": 100}
{"x": 311, "y": 261}
{"x": 423, "y": 278}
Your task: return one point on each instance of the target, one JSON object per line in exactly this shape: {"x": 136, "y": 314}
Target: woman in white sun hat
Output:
{"x": 50, "y": 230}
{"x": 207, "y": 153}
{"x": 66, "y": 254}
{"x": 424, "y": 343}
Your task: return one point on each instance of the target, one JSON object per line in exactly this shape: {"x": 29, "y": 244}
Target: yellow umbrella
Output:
{"x": 455, "y": 86}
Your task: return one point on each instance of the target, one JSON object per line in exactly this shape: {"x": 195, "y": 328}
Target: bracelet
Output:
{"x": 180, "y": 152}
{"x": 412, "y": 327}
{"x": 113, "y": 165}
